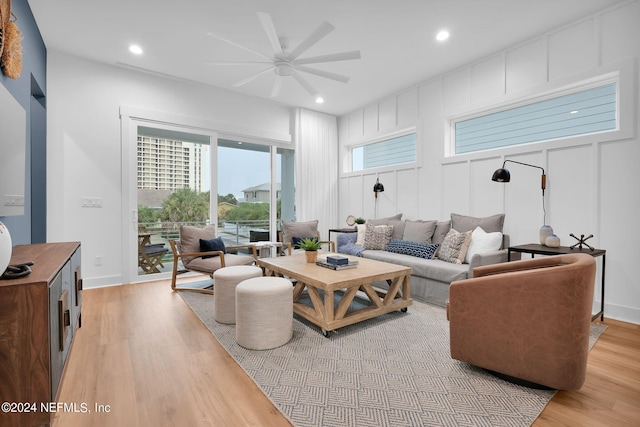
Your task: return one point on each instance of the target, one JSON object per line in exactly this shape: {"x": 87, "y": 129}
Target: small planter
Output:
{"x": 312, "y": 256}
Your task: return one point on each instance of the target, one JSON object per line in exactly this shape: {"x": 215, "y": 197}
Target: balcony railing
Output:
{"x": 233, "y": 233}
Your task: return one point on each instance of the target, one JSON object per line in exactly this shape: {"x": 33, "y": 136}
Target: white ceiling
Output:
{"x": 396, "y": 38}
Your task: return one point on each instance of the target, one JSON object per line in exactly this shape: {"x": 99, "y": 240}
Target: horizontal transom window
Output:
{"x": 393, "y": 151}
{"x": 579, "y": 113}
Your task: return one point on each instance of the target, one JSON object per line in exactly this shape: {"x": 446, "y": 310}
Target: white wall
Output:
{"x": 593, "y": 182}
{"x": 84, "y": 144}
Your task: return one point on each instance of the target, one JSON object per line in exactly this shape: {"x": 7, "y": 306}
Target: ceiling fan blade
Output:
{"x": 277, "y": 86}
{"x": 304, "y": 83}
{"x": 343, "y": 56}
{"x": 237, "y": 62}
{"x": 270, "y": 31}
{"x": 252, "y": 77}
{"x": 322, "y": 73}
{"x": 313, "y": 38}
{"x": 240, "y": 46}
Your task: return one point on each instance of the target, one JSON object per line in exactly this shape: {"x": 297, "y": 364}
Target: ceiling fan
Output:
{"x": 288, "y": 64}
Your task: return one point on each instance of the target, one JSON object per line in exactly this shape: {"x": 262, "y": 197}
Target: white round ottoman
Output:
{"x": 264, "y": 312}
{"x": 225, "y": 281}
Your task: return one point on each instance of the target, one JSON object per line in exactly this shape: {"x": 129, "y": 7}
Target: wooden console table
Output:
{"x": 535, "y": 249}
{"x": 39, "y": 315}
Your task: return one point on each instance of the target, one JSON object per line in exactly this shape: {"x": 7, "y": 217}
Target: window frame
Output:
{"x": 622, "y": 74}
{"x": 348, "y": 170}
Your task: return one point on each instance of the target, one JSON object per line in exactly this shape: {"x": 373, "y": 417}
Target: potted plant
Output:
{"x": 360, "y": 220}
{"x": 310, "y": 247}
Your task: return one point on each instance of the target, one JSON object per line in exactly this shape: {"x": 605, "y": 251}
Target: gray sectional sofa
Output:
{"x": 412, "y": 243}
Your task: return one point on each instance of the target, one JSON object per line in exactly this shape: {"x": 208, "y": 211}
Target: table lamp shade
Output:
{"x": 5, "y": 248}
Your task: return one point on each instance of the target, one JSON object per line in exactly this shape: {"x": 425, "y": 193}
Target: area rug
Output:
{"x": 394, "y": 370}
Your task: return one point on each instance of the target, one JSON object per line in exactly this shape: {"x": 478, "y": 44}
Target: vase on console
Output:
{"x": 5, "y": 248}
{"x": 545, "y": 231}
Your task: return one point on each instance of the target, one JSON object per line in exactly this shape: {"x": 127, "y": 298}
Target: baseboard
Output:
{"x": 622, "y": 313}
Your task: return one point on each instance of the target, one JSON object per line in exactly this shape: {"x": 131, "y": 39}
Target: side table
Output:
{"x": 535, "y": 249}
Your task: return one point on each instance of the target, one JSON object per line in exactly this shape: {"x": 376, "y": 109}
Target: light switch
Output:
{"x": 91, "y": 202}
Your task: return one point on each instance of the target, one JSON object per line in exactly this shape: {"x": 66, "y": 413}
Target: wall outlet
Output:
{"x": 98, "y": 260}
{"x": 10, "y": 200}
{"x": 91, "y": 202}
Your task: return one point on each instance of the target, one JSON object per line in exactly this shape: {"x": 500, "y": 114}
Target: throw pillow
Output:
{"x": 442, "y": 228}
{"x": 454, "y": 247}
{"x": 377, "y": 237}
{"x": 416, "y": 249}
{"x": 489, "y": 224}
{"x": 190, "y": 239}
{"x": 212, "y": 245}
{"x": 483, "y": 242}
{"x": 362, "y": 228}
{"x": 386, "y": 221}
{"x": 419, "y": 231}
{"x": 295, "y": 228}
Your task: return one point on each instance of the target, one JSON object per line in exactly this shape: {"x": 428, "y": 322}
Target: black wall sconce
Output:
{"x": 503, "y": 175}
{"x": 378, "y": 188}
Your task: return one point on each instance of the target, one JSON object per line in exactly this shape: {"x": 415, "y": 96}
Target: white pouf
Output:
{"x": 225, "y": 281}
{"x": 264, "y": 312}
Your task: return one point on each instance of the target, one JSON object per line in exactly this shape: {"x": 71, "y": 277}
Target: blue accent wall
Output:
{"x": 30, "y": 91}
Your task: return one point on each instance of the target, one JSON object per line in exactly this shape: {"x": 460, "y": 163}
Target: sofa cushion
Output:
{"x": 377, "y": 236}
{"x": 190, "y": 239}
{"x": 442, "y": 228}
{"x": 454, "y": 248}
{"x": 209, "y": 265}
{"x": 482, "y": 243}
{"x": 490, "y": 224}
{"x": 431, "y": 268}
{"x": 407, "y": 247}
{"x": 386, "y": 221}
{"x": 291, "y": 229}
{"x": 419, "y": 231}
{"x": 362, "y": 229}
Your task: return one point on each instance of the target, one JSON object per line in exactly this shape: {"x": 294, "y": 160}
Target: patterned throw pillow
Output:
{"x": 377, "y": 237}
{"x": 454, "y": 248}
{"x": 406, "y": 247}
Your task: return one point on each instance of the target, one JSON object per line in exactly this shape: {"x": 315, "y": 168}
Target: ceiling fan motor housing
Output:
{"x": 283, "y": 68}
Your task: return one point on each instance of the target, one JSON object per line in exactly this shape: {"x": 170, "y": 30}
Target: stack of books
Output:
{"x": 336, "y": 262}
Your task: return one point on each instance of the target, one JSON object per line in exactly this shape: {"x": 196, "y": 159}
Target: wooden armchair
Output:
{"x": 188, "y": 250}
{"x": 300, "y": 230}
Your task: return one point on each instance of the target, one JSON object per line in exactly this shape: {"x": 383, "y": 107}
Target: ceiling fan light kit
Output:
{"x": 286, "y": 64}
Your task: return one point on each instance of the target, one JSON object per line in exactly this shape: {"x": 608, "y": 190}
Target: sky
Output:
{"x": 241, "y": 169}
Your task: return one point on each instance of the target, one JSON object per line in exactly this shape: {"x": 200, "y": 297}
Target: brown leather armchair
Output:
{"x": 529, "y": 319}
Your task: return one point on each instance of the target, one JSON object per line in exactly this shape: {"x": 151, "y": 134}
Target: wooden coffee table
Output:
{"x": 331, "y": 309}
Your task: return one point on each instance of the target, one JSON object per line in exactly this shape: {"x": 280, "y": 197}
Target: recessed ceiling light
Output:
{"x": 442, "y": 35}
{"x": 135, "y": 49}
{"x": 319, "y": 100}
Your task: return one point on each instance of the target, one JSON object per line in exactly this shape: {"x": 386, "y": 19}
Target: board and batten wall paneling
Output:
{"x": 406, "y": 195}
{"x": 572, "y": 187}
{"x": 619, "y": 38}
{"x": 619, "y": 213}
{"x": 485, "y": 195}
{"x": 387, "y": 113}
{"x": 526, "y": 66}
{"x": 572, "y": 50}
{"x": 523, "y": 198}
{"x": 487, "y": 79}
{"x": 407, "y": 108}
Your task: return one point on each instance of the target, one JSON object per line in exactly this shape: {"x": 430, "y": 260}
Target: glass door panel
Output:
{"x": 173, "y": 188}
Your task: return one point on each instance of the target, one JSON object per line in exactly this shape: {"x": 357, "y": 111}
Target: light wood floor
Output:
{"x": 148, "y": 360}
